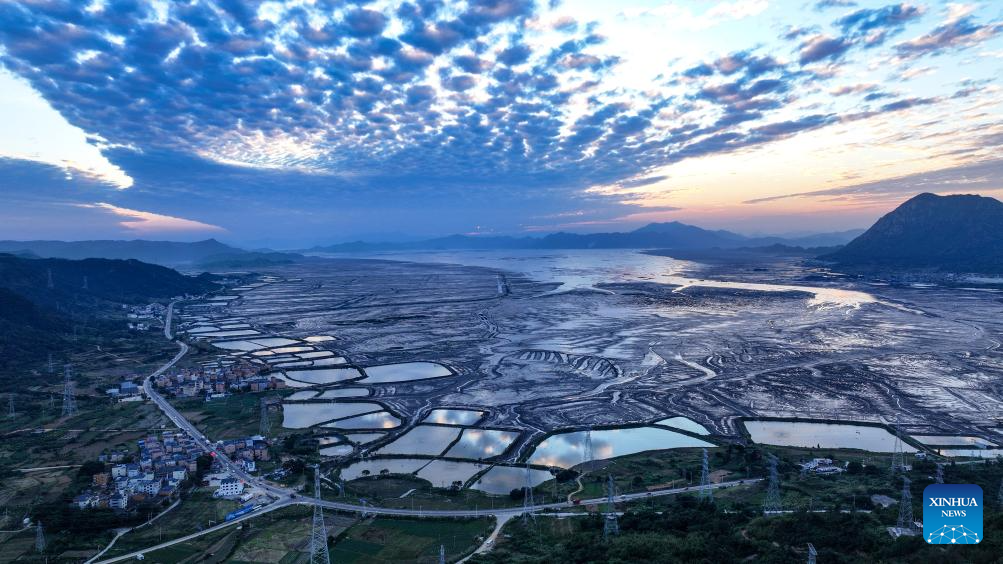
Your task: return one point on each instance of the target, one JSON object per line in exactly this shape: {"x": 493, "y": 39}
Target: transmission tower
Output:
{"x": 318, "y": 537}
{"x": 610, "y": 525}
{"x": 772, "y": 502}
{"x": 49, "y": 283}
{"x": 898, "y": 458}
{"x": 266, "y": 425}
{"x": 69, "y": 402}
{"x": 39, "y": 538}
{"x": 705, "y": 490}
{"x": 905, "y": 506}
{"x": 85, "y": 287}
{"x": 999, "y": 496}
{"x": 52, "y": 367}
{"x": 812, "y": 553}
{"x": 11, "y": 414}
{"x": 442, "y": 554}
{"x": 588, "y": 453}
{"x": 528, "y": 503}
{"x": 940, "y": 473}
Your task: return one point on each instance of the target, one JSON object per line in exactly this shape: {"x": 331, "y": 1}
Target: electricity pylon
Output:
{"x": 318, "y": 535}
{"x": 905, "y": 506}
{"x": 11, "y": 414}
{"x": 898, "y": 457}
{"x": 812, "y": 554}
{"x": 611, "y": 527}
{"x": 705, "y": 490}
{"x": 39, "y": 538}
{"x": 772, "y": 504}
{"x": 69, "y": 401}
{"x": 528, "y": 503}
{"x": 588, "y": 453}
{"x": 940, "y": 473}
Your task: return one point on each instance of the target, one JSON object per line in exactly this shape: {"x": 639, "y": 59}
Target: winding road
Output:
{"x": 284, "y": 497}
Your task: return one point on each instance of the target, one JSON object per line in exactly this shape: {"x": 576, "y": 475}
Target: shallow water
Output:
{"x": 394, "y": 465}
{"x": 823, "y": 435}
{"x": 442, "y": 473}
{"x": 501, "y": 480}
{"x": 364, "y": 438}
{"x": 482, "y": 443}
{"x": 453, "y": 416}
{"x": 339, "y": 450}
{"x": 684, "y": 423}
{"x": 344, "y": 393}
{"x": 972, "y": 452}
{"x": 942, "y": 440}
{"x": 404, "y": 372}
{"x": 305, "y": 395}
{"x": 381, "y": 420}
{"x": 324, "y": 375}
{"x": 423, "y": 439}
{"x": 567, "y": 449}
{"x": 303, "y": 415}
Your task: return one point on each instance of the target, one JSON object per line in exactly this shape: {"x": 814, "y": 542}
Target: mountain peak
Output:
{"x": 961, "y": 233}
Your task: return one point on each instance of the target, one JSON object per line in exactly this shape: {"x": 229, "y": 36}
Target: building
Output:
{"x": 229, "y": 487}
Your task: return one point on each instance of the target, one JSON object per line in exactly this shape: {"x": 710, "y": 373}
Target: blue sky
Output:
{"x": 296, "y": 123}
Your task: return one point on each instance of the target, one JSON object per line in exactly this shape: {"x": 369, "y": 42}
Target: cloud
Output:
{"x": 148, "y": 223}
{"x": 957, "y": 33}
{"x": 820, "y": 47}
{"x": 824, "y": 4}
{"x": 873, "y": 26}
{"x": 977, "y": 176}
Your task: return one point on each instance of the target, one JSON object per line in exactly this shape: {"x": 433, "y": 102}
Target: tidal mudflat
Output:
{"x": 532, "y": 343}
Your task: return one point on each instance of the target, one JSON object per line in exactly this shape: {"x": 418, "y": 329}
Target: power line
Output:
{"x": 588, "y": 453}
{"x": 265, "y": 428}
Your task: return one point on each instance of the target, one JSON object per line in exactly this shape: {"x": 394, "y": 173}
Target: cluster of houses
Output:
{"x": 126, "y": 391}
{"x": 140, "y": 316}
{"x": 215, "y": 382}
{"x": 821, "y": 467}
{"x": 163, "y": 464}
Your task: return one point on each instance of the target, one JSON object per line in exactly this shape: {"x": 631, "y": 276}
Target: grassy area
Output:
{"x": 410, "y": 540}
{"x": 279, "y": 537}
{"x": 234, "y": 417}
{"x": 194, "y": 514}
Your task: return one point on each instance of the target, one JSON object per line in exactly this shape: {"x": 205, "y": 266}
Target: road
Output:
{"x": 284, "y": 496}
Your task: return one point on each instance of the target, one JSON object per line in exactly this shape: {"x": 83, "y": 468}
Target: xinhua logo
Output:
{"x": 952, "y": 514}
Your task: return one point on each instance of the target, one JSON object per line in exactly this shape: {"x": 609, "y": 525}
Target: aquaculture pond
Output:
{"x": 442, "y": 473}
{"x": 373, "y": 467}
{"x": 381, "y": 420}
{"x": 324, "y": 375}
{"x": 823, "y": 435}
{"x": 453, "y": 416}
{"x": 404, "y": 372}
{"x": 684, "y": 423}
{"x": 303, "y": 415}
{"x": 567, "y": 449}
{"x": 501, "y": 480}
{"x": 423, "y": 439}
{"x": 482, "y": 443}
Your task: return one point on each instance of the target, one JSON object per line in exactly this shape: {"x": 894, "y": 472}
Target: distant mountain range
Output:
{"x": 206, "y": 254}
{"x": 668, "y": 236}
{"x": 962, "y": 233}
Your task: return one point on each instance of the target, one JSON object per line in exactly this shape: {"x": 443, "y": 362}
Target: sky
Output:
{"x": 290, "y": 124}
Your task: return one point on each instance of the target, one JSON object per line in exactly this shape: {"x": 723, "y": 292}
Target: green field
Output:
{"x": 410, "y": 540}
{"x": 235, "y": 417}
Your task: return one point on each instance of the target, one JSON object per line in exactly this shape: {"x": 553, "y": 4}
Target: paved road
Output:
{"x": 285, "y": 496}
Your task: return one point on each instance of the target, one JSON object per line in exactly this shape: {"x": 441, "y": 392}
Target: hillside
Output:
{"x": 157, "y": 252}
{"x": 962, "y": 233}
{"x": 665, "y": 236}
